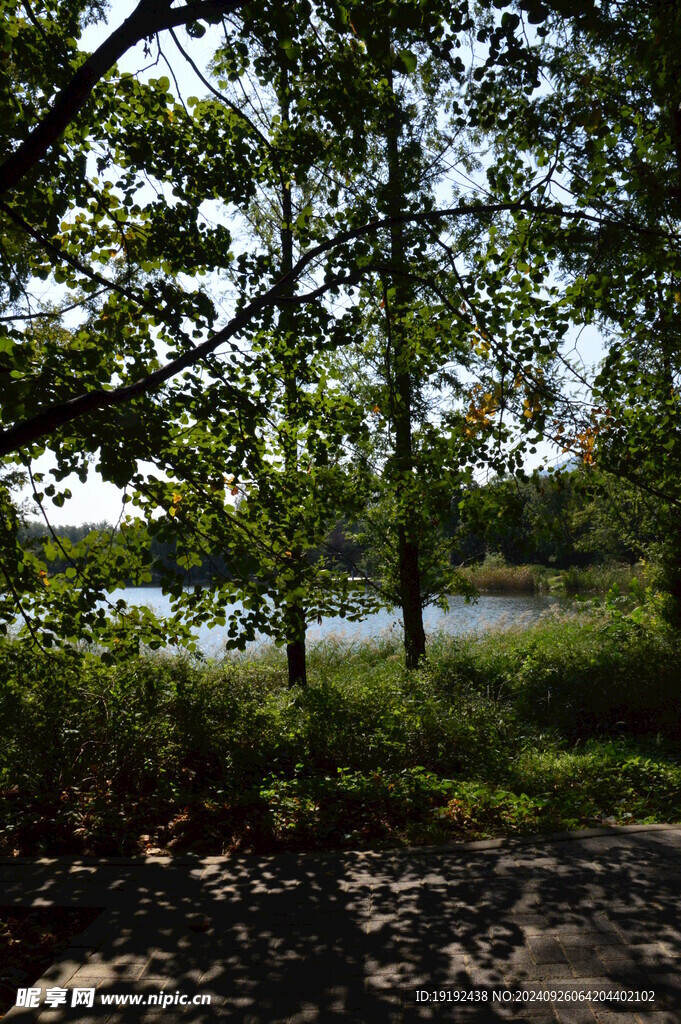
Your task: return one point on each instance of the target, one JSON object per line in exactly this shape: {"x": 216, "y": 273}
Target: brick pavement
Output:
{"x": 351, "y": 937}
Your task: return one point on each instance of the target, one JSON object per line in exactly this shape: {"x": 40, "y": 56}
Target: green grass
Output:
{"x": 571, "y": 722}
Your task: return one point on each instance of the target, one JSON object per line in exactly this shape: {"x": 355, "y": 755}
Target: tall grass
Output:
{"x": 495, "y": 575}
{"x": 168, "y": 751}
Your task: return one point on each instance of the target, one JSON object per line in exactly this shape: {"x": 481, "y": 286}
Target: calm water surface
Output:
{"x": 490, "y": 610}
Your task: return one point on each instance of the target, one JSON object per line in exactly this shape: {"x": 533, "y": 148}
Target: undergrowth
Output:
{"x": 574, "y": 721}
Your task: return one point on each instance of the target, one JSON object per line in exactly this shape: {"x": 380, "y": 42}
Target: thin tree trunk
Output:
{"x": 295, "y": 649}
{"x": 295, "y": 612}
{"x": 408, "y": 543}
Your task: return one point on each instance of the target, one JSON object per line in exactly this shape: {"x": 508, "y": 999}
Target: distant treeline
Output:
{"x": 574, "y": 518}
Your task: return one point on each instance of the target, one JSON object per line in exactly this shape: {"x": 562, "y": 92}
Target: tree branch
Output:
{"x": 149, "y": 17}
{"x": 44, "y": 423}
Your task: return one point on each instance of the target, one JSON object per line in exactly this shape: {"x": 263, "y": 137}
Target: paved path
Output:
{"x": 352, "y": 937}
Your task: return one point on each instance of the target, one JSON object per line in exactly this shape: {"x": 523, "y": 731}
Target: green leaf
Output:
{"x": 406, "y": 61}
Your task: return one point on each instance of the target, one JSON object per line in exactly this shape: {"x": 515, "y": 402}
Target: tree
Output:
{"x": 617, "y": 159}
{"x": 430, "y": 327}
{"x": 151, "y": 371}
{"x": 288, "y": 467}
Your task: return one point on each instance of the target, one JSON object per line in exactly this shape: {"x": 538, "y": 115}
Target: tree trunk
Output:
{"x": 408, "y": 543}
{"x": 295, "y": 613}
{"x": 295, "y": 649}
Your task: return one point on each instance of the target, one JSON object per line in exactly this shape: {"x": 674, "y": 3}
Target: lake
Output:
{"x": 489, "y": 611}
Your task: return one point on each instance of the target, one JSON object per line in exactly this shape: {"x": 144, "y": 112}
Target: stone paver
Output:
{"x": 474, "y": 933}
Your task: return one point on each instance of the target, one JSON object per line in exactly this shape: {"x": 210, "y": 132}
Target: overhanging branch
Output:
{"x": 46, "y": 422}
{"x": 148, "y": 18}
